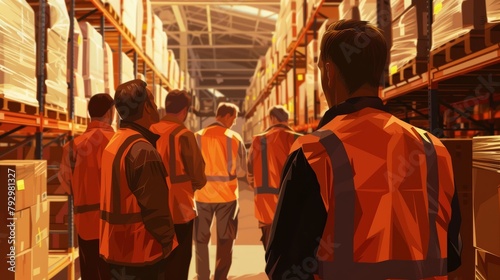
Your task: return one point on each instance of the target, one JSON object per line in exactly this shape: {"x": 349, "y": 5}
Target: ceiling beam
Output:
{"x": 222, "y": 87}
{"x": 181, "y": 22}
{"x": 198, "y": 3}
{"x": 228, "y": 29}
{"x": 198, "y": 32}
{"x": 225, "y": 59}
{"x": 246, "y": 78}
{"x": 241, "y": 15}
{"x": 209, "y": 25}
{"x": 244, "y": 46}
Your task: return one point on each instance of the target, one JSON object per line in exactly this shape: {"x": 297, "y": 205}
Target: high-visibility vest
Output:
{"x": 387, "y": 189}
{"x": 181, "y": 193}
{"x": 219, "y": 148}
{"x": 85, "y": 154}
{"x": 124, "y": 239}
{"x": 269, "y": 152}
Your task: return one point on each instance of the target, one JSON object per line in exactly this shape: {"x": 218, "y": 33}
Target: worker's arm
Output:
{"x": 65, "y": 173}
{"x": 241, "y": 169}
{"x": 299, "y": 207}
{"x": 146, "y": 177}
{"x": 193, "y": 160}
{"x": 251, "y": 155}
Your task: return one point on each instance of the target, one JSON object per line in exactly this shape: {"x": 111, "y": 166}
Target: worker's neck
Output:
{"x": 178, "y": 117}
{"x": 102, "y": 120}
{"x": 365, "y": 91}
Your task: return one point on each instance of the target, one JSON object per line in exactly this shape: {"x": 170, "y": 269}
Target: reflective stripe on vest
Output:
{"x": 344, "y": 267}
{"x": 230, "y": 162}
{"x": 265, "y": 188}
{"x": 174, "y": 178}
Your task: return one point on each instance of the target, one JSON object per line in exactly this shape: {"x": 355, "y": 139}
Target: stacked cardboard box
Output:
{"x": 115, "y": 5}
{"x": 79, "y": 86}
{"x": 147, "y": 29}
{"x": 158, "y": 43}
{"x": 140, "y": 19}
{"x": 127, "y": 70}
{"x": 93, "y": 60}
{"x": 129, "y": 15}
{"x": 18, "y": 52}
{"x": 452, "y": 19}
{"x": 56, "y": 46}
{"x": 289, "y": 14}
{"x": 349, "y": 10}
{"x": 109, "y": 74}
{"x": 486, "y": 204}
{"x": 165, "y": 54}
{"x": 28, "y": 219}
{"x": 409, "y": 39}
{"x": 323, "y": 105}
{"x": 493, "y": 10}
{"x": 311, "y": 77}
{"x": 174, "y": 71}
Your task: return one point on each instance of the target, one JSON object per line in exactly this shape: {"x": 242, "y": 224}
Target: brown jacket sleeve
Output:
{"x": 193, "y": 160}
{"x": 146, "y": 177}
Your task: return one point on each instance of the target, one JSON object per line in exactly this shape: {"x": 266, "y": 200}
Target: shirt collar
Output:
{"x": 350, "y": 106}
{"x": 283, "y": 126}
{"x": 99, "y": 124}
{"x": 168, "y": 118}
{"x": 146, "y": 133}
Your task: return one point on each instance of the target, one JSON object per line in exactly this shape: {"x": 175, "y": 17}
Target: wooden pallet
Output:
{"x": 411, "y": 69}
{"x": 81, "y": 120}
{"x": 17, "y": 107}
{"x": 55, "y": 112}
{"x": 466, "y": 44}
{"x": 492, "y": 34}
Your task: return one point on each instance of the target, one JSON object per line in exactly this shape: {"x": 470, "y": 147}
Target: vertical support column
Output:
{"x": 71, "y": 43}
{"x": 42, "y": 33}
{"x": 144, "y": 70}
{"x": 492, "y": 114}
{"x": 294, "y": 87}
{"x": 120, "y": 59}
{"x": 316, "y": 71}
{"x": 103, "y": 24}
{"x": 136, "y": 65}
{"x": 71, "y": 242}
{"x": 306, "y": 105}
{"x": 434, "y": 116}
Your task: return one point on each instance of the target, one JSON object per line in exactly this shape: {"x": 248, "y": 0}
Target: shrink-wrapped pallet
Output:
{"x": 398, "y": 7}
{"x": 452, "y": 19}
{"x": 140, "y": 20}
{"x": 409, "y": 39}
{"x": 311, "y": 76}
{"x": 129, "y": 15}
{"x": 80, "y": 102}
{"x": 291, "y": 28}
{"x": 127, "y": 68}
{"x": 493, "y": 10}
{"x": 164, "y": 55}
{"x": 158, "y": 43}
{"x": 323, "y": 107}
{"x": 56, "y": 46}
{"x": 172, "y": 68}
{"x": 109, "y": 74}
{"x": 17, "y": 52}
{"x": 147, "y": 29}
{"x": 368, "y": 11}
{"x": 93, "y": 60}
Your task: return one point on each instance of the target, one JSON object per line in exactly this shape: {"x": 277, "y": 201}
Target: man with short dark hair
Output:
{"x": 137, "y": 232}
{"x": 266, "y": 158}
{"x": 225, "y": 157}
{"x": 186, "y": 173}
{"x": 366, "y": 196}
{"x": 80, "y": 176}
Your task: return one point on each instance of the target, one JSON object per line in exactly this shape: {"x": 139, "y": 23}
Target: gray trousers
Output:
{"x": 227, "y": 227}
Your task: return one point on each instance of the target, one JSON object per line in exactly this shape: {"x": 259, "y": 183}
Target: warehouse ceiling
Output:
{"x": 221, "y": 40}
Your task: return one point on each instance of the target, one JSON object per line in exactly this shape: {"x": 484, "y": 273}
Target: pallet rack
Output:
{"x": 20, "y": 128}
{"x": 419, "y": 99}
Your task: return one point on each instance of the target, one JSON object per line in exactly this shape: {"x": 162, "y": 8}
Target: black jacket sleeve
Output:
{"x": 298, "y": 224}
{"x": 454, "y": 238}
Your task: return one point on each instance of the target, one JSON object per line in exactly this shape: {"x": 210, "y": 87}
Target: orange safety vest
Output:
{"x": 387, "y": 189}
{"x": 181, "y": 193}
{"x": 124, "y": 238}
{"x": 85, "y": 154}
{"x": 267, "y": 165}
{"x": 219, "y": 147}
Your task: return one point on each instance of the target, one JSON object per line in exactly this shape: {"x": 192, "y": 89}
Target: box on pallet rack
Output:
{"x": 408, "y": 56}
{"x": 127, "y": 69}
{"x": 139, "y": 14}
{"x": 93, "y": 56}
{"x": 56, "y": 46}
{"x": 79, "y": 86}
{"x": 348, "y": 10}
{"x": 165, "y": 55}
{"x": 147, "y": 29}
{"x": 28, "y": 256}
{"x": 311, "y": 77}
{"x": 18, "y": 77}
{"x": 129, "y": 15}
{"x": 115, "y": 5}
{"x": 109, "y": 74}
{"x": 158, "y": 43}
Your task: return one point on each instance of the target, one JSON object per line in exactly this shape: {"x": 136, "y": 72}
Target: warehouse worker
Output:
{"x": 137, "y": 232}
{"x": 186, "y": 173}
{"x": 366, "y": 196}
{"x": 225, "y": 158}
{"x": 80, "y": 176}
{"x": 266, "y": 159}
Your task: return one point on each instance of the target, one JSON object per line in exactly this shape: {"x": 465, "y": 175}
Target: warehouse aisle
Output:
{"x": 248, "y": 252}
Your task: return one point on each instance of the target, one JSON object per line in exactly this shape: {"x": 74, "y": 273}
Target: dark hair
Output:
{"x": 130, "y": 98}
{"x": 225, "y": 108}
{"x": 358, "y": 49}
{"x": 280, "y": 113}
{"x": 176, "y": 101}
{"x": 99, "y": 105}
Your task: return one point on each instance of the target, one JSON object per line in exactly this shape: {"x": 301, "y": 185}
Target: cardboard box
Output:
{"x": 40, "y": 260}
{"x": 452, "y": 19}
{"x": 31, "y": 181}
{"x": 24, "y": 266}
{"x": 140, "y": 20}
{"x": 40, "y": 217}
{"x": 147, "y": 28}
{"x": 493, "y": 10}
{"x": 93, "y": 60}
{"x": 487, "y": 265}
{"x": 18, "y": 77}
{"x": 109, "y": 74}
{"x": 23, "y": 230}
{"x": 129, "y": 15}
{"x": 115, "y": 4}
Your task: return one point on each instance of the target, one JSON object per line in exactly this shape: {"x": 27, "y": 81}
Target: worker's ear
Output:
{"x": 330, "y": 73}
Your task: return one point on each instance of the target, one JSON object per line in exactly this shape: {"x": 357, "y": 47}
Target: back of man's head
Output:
{"x": 176, "y": 101}
{"x": 226, "y": 108}
{"x": 99, "y": 105}
{"x": 280, "y": 113}
{"x": 358, "y": 49}
{"x": 130, "y": 98}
